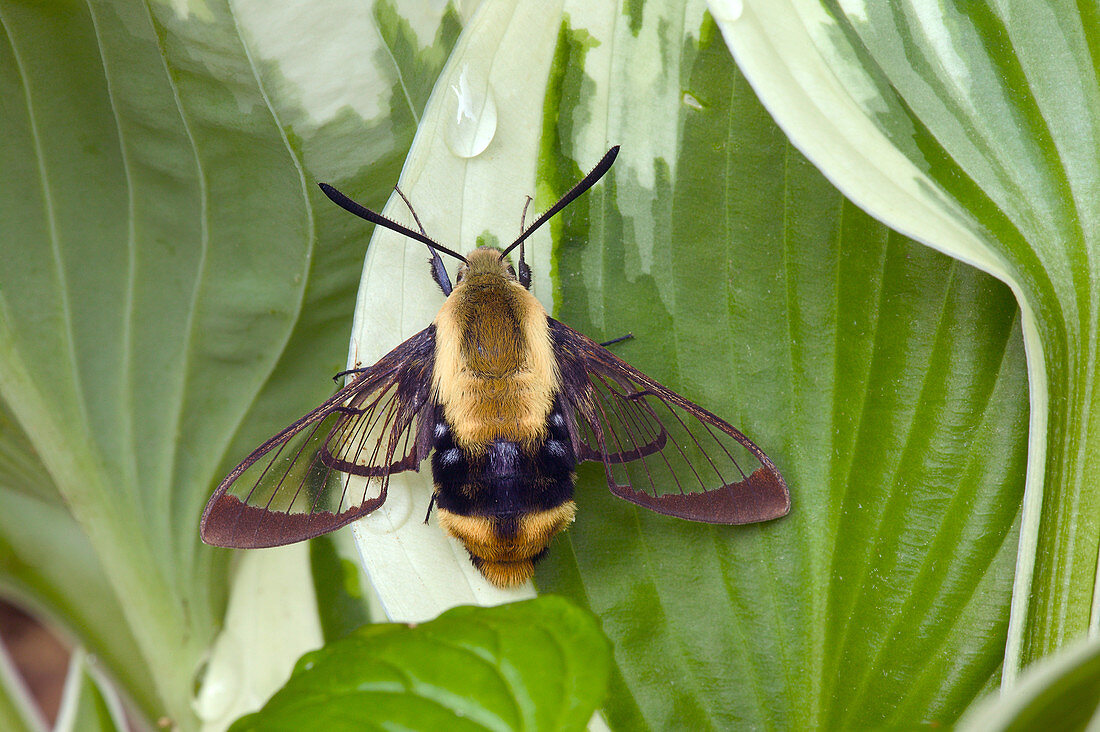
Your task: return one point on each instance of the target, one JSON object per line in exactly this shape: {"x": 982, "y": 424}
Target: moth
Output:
{"x": 506, "y": 401}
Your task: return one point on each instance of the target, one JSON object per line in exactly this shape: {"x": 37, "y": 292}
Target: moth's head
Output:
{"x": 485, "y": 263}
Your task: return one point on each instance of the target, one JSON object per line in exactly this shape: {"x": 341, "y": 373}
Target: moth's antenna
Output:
{"x": 439, "y": 272}
{"x": 587, "y": 182}
{"x": 523, "y": 216}
{"x": 412, "y": 210}
{"x": 365, "y": 213}
{"x": 524, "y": 270}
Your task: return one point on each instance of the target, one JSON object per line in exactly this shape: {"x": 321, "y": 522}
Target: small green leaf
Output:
{"x": 540, "y": 664}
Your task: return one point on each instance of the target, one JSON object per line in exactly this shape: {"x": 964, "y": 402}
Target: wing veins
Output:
{"x": 688, "y": 460}
{"x": 256, "y": 483}
{"x": 345, "y": 436}
{"x": 641, "y": 455}
{"x": 279, "y": 485}
{"x": 263, "y": 500}
{"x": 630, "y": 399}
{"x": 680, "y": 449}
{"x": 357, "y": 437}
{"x": 611, "y": 426}
{"x": 388, "y": 412}
{"x": 337, "y": 459}
{"x": 725, "y": 450}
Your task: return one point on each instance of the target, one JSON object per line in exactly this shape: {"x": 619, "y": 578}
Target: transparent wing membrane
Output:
{"x": 300, "y": 483}
{"x": 365, "y": 440}
{"x": 662, "y": 451}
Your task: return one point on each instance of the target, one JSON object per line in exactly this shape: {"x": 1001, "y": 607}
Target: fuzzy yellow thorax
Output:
{"x": 495, "y": 372}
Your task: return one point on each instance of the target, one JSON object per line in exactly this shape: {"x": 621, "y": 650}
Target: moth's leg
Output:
{"x": 626, "y": 337}
{"x": 355, "y": 370}
{"x": 342, "y": 374}
{"x": 431, "y": 503}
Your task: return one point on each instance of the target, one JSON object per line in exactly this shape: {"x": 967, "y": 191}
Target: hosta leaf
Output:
{"x": 462, "y": 200}
{"x": 175, "y": 287}
{"x": 88, "y": 704}
{"x": 535, "y": 665}
{"x": 1061, "y": 692}
{"x": 61, "y": 579}
{"x": 974, "y": 128}
{"x": 886, "y": 381}
{"x": 17, "y": 708}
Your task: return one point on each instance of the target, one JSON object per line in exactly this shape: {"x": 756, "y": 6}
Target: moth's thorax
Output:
{"x": 495, "y": 373}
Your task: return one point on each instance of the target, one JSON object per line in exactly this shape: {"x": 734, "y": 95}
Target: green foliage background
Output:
{"x": 174, "y": 288}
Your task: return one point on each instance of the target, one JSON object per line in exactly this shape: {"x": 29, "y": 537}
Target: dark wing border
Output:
{"x": 588, "y": 370}
{"x": 406, "y": 370}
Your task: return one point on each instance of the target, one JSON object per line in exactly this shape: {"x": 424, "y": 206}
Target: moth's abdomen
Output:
{"x": 506, "y": 502}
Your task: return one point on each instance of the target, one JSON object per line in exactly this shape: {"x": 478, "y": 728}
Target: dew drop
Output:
{"x": 727, "y": 11}
{"x": 472, "y": 120}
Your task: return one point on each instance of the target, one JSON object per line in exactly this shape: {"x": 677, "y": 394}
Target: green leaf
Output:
{"x": 89, "y": 704}
{"x": 175, "y": 287}
{"x": 535, "y": 665}
{"x": 885, "y": 381}
{"x": 974, "y": 128}
{"x": 1061, "y": 692}
{"x": 340, "y": 596}
{"x": 18, "y": 711}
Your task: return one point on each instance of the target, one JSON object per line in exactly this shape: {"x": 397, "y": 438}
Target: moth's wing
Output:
{"x": 658, "y": 449}
{"x": 332, "y": 465}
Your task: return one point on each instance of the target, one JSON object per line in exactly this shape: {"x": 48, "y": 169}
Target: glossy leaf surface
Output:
{"x": 886, "y": 382}
{"x": 973, "y": 128}
{"x": 175, "y": 287}
{"x": 176, "y": 290}
{"x": 535, "y": 665}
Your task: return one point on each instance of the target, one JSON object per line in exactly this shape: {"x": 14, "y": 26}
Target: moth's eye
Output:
{"x": 511, "y": 271}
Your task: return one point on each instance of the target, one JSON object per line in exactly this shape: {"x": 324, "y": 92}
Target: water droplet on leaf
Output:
{"x": 472, "y": 121}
